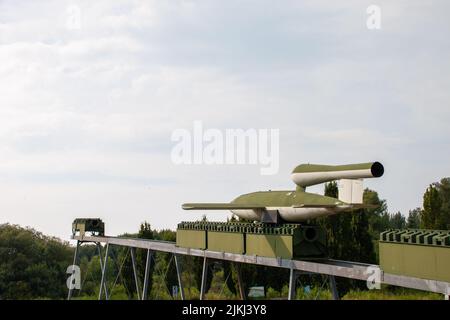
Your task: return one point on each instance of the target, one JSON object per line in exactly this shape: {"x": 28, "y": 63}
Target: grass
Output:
{"x": 392, "y": 294}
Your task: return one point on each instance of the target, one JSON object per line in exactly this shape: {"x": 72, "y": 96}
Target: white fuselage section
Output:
{"x": 312, "y": 178}
{"x": 288, "y": 213}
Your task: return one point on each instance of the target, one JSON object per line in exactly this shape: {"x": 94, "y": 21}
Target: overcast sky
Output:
{"x": 88, "y": 105}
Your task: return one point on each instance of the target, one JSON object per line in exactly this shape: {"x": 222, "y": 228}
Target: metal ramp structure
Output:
{"x": 326, "y": 267}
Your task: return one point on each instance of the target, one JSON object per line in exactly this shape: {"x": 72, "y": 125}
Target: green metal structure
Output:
{"x": 285, "y": 241}
{"x": 417, "y": 253}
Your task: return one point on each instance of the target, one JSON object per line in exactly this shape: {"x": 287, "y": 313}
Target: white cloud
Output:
{"x": 86, "y": 115}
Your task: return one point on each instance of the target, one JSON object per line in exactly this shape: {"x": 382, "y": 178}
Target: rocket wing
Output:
{"x": 219, "y": 206}
{"x": 234, "y": 206}
{"x": 315, "y": 206}
{"x": 356, "y": 206}
{"x": 349, "y": 206}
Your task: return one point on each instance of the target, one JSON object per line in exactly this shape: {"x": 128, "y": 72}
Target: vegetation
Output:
{"x": 33, "y": 266}
{"x": 436, "y": 206}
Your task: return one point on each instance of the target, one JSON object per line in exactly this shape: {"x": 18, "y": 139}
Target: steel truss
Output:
{"x": 326, "y": 267}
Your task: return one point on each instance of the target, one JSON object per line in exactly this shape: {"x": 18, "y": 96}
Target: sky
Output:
{"x": 91, "y": 92}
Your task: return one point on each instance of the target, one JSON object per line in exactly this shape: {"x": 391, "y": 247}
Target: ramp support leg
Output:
{"x": 292, "y": 283}
{"x": 104, "y": 269}
{"x": 75, "y": 260}
{"x": 333, "y": 288}
{"x": 204, "y": 276}
{"x": 100, "y": 257}
{"x": 180, "y": 282}
{"x": 239, "y": 279}
{"x": 147, "y": 273}
{"x": 136, "y": 279}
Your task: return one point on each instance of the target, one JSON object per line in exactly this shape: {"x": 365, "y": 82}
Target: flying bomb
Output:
{"x": 295, "y": 206}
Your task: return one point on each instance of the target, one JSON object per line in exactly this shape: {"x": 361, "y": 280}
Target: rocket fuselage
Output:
{"x": 298, "y": 205}
{"x": 284, "y": 203}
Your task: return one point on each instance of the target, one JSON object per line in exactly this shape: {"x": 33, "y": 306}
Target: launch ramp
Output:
{"x": 327, "y": 267}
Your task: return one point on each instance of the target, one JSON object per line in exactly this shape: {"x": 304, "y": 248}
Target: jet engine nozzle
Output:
{"x": 306, "y": 175}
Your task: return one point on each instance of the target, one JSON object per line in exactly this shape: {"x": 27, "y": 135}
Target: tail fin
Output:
{"x": 351, "y": 190}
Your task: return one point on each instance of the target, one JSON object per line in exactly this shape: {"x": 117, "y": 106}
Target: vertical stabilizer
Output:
{"x": 351, "y": 190}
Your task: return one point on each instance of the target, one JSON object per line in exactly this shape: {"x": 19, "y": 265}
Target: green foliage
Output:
{"x": 190, "y": 283}
{"x": 166, "y": 235}
{"x": 436, "y": 206}
{"x": 397, "y": 221}
{"x": 379, "y": 219}
{"x": 348, "y": 234}
{"x": 230, "y": 276}
{"x": 271, "y": 293}
{"x": 219, "y": 288}
{"x": 444, "y": 191}
{"x": 253, "y": 275}
{"x": 391, "y": 294}
{"x": 348, "y": 237}
{"x": 331, "y": 189}
{"x": 162, "y": 273}
{"x": 431, "y": 208}
{"x": 164, "y": 276}
{"x": 119, "y": 293}
{"x": 145, "y": 231}
{"x": 32, "y": 265}
{"x": 413, "y": 221}
{"x": 314, "y": 293}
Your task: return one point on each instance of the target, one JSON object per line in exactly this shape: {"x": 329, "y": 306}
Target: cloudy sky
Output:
{"x": 91, "y": 91}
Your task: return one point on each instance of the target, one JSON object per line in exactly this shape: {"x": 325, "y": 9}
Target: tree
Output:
{"x": 413, "y": 221}
{"x": 436, "y": 206}
{"x": 348, "y": 236}
{"x": 397, "y": 221}
{"x": 337, "y": 226}
{"x": 331, "y": 189}
{"x": 363, "y": 248}
{"x": 431, "y": 208}
{"x": 379, "y": 219}
{"x": 443, "y": 220}
{"x": 32, "y": 265}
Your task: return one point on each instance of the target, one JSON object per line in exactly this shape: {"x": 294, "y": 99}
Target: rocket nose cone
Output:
{"x": 377, "y": 169}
